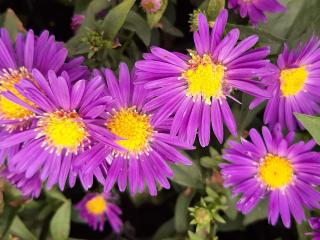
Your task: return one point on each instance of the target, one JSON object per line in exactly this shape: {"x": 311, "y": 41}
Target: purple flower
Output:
{"x": 272, "y": 166}
{"x": 256, "y": 9}
{"x": 76, "y": 21}
{"x": 294, "y": 85}
{"x": 195, "y": 89}
{"x": 63, "y": 128}
{"x": 97, "y": 208}
{"x": 16, "y": 63}
{"x": 29, "y": 187}
{"x": 147, "y": 146}
{"x": 314, "y": 223}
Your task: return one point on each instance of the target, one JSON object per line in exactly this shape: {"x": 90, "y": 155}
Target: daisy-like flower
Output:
{"x": 16, "y": 63}
{"x": 256, "y": 9}
{"x": 97, "y": 208}
{"x": 62, "y": 129}
{"x": 195, "y": 89}
{"x": 314, "y": 223}
{"x": 29, "y": 187}
{"x": 146, "y": 142}
{"x": 76, "y": 21}
{"x": 151, "y": 6}
{"x": 294, "y": 84}
{"x": 272, "y": 166}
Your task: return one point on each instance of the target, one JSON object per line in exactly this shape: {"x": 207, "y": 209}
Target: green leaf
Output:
{"x": 165, "y": 230}
{"x": 181, "y": 212}
{"x": 312, "y": 124}
{"x": 265, "y": 38}
{"x": 115, "y": 19}
{"x": 154, "y": 18}
{"x": 19, "y": 229}
{"x": 13, "y": 24}
{"x": 189, "y": 176}
{"x": 258, "y": 213}
{"x": 54, "y": 193}
{"x": 298, "y": 22}
{"x": 60, "y": 223}
{"x": 214, "y": 8}
{"x": 137, "y": 24}
{"x": 6, "y": 221}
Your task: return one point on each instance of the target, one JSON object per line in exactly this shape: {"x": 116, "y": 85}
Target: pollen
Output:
{"x": 275, "y": 171}
{"x": 96, "y": 205}
{"x": 8, "y": 109}
{"x": 134, "y": 128}
{"x": 62, "y": 130}
{"x": 292, "y": 80}
{"x": 204, "y": 78}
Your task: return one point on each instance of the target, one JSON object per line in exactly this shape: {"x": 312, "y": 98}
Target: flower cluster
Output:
{"x": 61, "y": 122}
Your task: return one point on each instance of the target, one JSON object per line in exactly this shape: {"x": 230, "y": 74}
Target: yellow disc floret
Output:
{"x": 204, "y": 78}
{"x": 134, "y": 128}
{"x": 275, "y": 171}
{"x": 62, "y": 130}
{"x": 96, "y": 205}
{"x": 292, "y": 80}
{"x": 8, "y": 109}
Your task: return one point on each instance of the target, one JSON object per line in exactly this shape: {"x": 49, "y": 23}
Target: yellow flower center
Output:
{"x": 133, "y": 127}
{"x": 275, "y": 171}
{"x": 96, "y": 205}
{"x": 62, "y": 130}
{"x": 204, "y": 78}
{"x": 292, "y": 80}
{"x": 8, "y": 109}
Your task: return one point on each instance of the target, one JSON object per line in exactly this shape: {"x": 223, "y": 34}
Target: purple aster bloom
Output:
{"x": 314, "y": 223}
{"x": 195, "y": 89}
{"x": 147, "y": 145}
{"x": 29, "y": 187}
{"x": 16, "y": 62}
{"x": 97, "y": 208}
{"x": 255, "y": 9}
{"x": 294, "y": 85}
{"x": 272, "y": 166}
{"x": 76, "y": 21}
{"x": 62, "y": 129}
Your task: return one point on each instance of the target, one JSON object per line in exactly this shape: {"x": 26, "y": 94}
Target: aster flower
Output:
{"x": 293, "y": 84}
{"x": 272, "y": 166}
{"x": 16, "y": 62}
{"x": 151, "y": 6}
{"x": 147, "y": 146}
{"x": 195, "y": 89}
{"x": 76, "y": 21}
{"x": 314, "y": 223}
{"x": 62, "y": 129}
{"x": 256, "y": 9}
{"x": 97, "y": 208}
{"x": 29, "y": 187}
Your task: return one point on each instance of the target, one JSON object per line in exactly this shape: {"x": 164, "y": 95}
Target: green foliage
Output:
{"x": 154, "y": 18}
{"x": 115, "y": 18}
{"x": 60, "y": 223}
{"x": 312, "y": 124}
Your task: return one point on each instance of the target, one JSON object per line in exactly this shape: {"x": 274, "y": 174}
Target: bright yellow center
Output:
{"x": 63, "y": 130}
{"x": 8, "y": 109}
{"x": 275, "y": 171}
{"x": 96, "y": 205}
{"x": 204, "y": 78}
{"x": 133, "y": 127}
{"x": 292, "y": 80}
